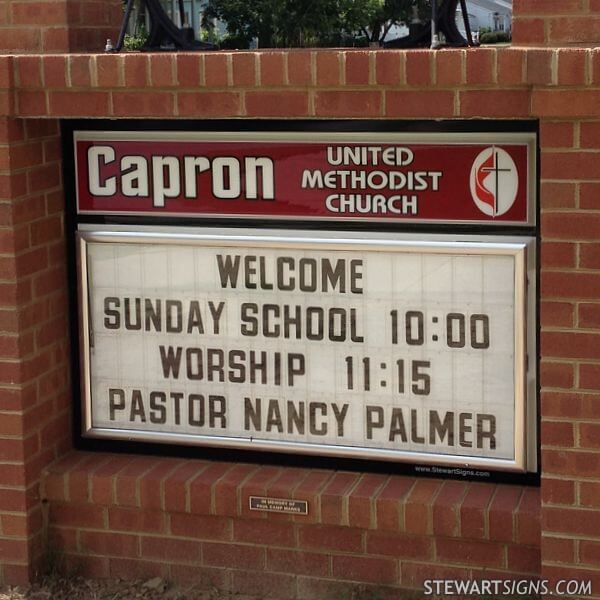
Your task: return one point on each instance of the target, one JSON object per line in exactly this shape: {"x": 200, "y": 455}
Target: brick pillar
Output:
{"x": 34, "y": 377}
{"x": 58, "y": 25}
{"x": 556, "y": 22}
{"x": 570, "y": 320}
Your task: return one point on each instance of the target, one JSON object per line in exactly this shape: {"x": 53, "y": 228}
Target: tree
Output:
{"x": 302, "y": 23}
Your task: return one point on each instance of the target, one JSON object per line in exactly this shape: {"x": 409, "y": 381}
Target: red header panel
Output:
{"x": 471, "y": 179}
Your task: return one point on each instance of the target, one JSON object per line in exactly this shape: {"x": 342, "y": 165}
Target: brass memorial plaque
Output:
{"x": 280, "y": 505}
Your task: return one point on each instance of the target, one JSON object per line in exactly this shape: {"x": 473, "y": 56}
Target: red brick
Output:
{"x": 557, "y": 195}
{"x": 571, "y": 66}
{"x": 589, "y": 315}
{"x": 287, "y": 482}
{"x": 162, "y": 70}
{"x": 589, "y": 376}
{"x": 257, "y": 485}
{"x": 135, "y": 69}
{"x": 414, "y": 574}
{"x": 449, "y": 67}
{"x": 216, "y": 68}
{"x": 15, "y": 549}
{"x": 529, "y": 31}
{"x": 360, "y": 568}
{"x": 32, "y": 103}
{"x": 202, "y": 577}
{"x": 446, "y": 508}
{"x": 79, "y": 71}
{"x": 557, "y": 314}
{"x": 558, "y": 549}
{"x": 109, "y": 544}
{"x": 589, "y": 494}
{"x": 170, "y": 549}
{"x": 277, "y": 104}
{"x": 569, "y": 345}
{"x": 480, "y": 65}
{"x": 589, "y": 435}
{"x": 569, "y": 405}
{"x": 263, "y": 584}
{"x": 523, "y": 559}
{"x": 244, "y": 69}
{"x": 309, "y": 489}
{"x": 189, "y": 70}
{"x": 299, "y": 67}
{"x": 557, "y": 434}
{"x": 418, "y": 507}
{"x": 328, "y": 537}
{"x": 574, "y": 30}
{"x": 72, "y": 104}
{"x": 473, "y": 511}
{"x": 419, "y": 68}
{"x": 131, "y": 519}
{"x": 558, "y": 491}
{"x": 328, "y": 68}
{"x": 29, "y": 69}
{"x": 201, "y": 488}
{"x": 571, "y": 226}
{"x": 26, "y": 39}
{"x": 233, "y": 556}
{"x": 556, "y": 134}
{"x": 569, "y": 285}
{"x": 564, "y": 104}
{"x": 590, "y": 136}
{"x": 357, "y": 67}
{"x": 55, "y": 71}
{"x": 333, "y": 498}
{"x": 557, "y": 375}
{"x": 573, "y": 521}
{"x": 152, "y": 484}
{"x": 266, "y": 532}
{"x": 511, "y": 66}
{"x": 559, "y": 462}
{"x": 176, "y": 486}
{"x": 469, "y": 552}
{"x": 201, "y": 527}
{"x": 501, "y": 513}
{"x": 389, "y": 67}
{"x": 226, "y": 490}
{"x": 539, "y": 69}
{"x": 128, "y": 569}
{"x": 589, "y": 552}
{"x": 108, "y": 70}
{"x": 209, "y": 104}
{"x": 77, "y": 515}
{"x": 419, "y": 104}
{"x": 272, "y": 68}
{"x": 589, "y": 256}
{"x": 494, "y": 103}
{"x": 150, "y": 104}
{"x": 361, "y": 502}
{"x": 400, "y": 545}
{"x": 348, "y": 103}
{"x": 298, "y": 562}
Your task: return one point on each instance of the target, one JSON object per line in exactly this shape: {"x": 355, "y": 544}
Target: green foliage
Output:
{"x": 494, "y": 37}
{"x": 310, "y": 23}
{"x": 132, "y": 43}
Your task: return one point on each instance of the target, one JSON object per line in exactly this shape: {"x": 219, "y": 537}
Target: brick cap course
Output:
{"x": 315, "y": 83}
{"x": 129, "y": 481}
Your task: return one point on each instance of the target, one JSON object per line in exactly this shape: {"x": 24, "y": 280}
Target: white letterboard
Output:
{"x": 383, "y": 349}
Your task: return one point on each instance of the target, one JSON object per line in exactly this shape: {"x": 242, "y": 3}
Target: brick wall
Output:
{"x": 58, "y": 25}
{"x": 34, "y": 393}
{"x": 133, "y": 515}
{"x": 189, "y": 521}
{"x": 556, "y": 22}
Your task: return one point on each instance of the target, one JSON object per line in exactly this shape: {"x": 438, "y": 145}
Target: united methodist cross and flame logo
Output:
{"x": 494, "y": 181}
